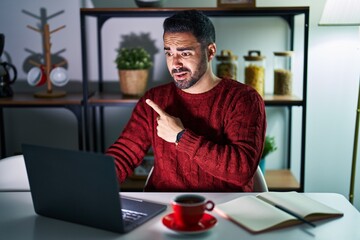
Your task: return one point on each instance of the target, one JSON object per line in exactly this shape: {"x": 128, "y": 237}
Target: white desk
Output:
{"x": 19, "y": 221}
{"x": 13, "y": 175}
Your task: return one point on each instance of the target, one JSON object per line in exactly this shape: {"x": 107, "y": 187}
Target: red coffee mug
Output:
{"x": 36, "y": 76}
{"x": 190, "y": 208}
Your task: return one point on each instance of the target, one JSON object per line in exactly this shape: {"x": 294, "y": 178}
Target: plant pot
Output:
{"x": 133, "y": 82}
{"x": 262, "y": 165}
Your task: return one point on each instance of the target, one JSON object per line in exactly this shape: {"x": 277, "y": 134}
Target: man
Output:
{"x": 207, "y": 133}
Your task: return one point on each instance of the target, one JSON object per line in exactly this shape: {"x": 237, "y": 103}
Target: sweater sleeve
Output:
{"x": 236, "y": 159}
{"x": 133, "y": 143}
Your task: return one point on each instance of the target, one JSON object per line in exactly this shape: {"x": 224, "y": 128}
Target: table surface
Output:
{"x": 19, "y": 221}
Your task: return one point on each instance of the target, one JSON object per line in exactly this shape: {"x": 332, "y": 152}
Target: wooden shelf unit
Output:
{"x": 101, "y": 99}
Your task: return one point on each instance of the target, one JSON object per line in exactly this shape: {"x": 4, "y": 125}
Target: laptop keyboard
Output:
{"x": 131, "y": 216}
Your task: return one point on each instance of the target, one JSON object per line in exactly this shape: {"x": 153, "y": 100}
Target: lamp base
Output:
{"x": 353, "y": 165}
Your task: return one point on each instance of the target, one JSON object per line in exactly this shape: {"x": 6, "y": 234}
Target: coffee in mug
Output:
{"x": 190, "y": 208}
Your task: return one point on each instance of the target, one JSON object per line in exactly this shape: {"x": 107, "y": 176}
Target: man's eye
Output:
{"x": 168, "y": 54}
{"x": 185, "y": 54}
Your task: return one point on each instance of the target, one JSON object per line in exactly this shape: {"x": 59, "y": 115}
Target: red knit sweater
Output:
{"x": 220, "y": 150}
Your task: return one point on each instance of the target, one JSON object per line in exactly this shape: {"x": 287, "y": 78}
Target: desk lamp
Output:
{"x": 345, "y": 13}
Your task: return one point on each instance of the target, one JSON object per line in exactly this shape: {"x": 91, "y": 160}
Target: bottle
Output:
{"x": 282, "y": 73}
{"x": 255, "y": 71}
{"x": 227, "y": 67}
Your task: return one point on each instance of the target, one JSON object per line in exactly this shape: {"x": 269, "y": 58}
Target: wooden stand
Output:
{"x": 49, "y": 93}
{"x": 52, "y": 94}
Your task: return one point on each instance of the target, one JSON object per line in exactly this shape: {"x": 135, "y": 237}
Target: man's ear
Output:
{"x": 211, "y": 51}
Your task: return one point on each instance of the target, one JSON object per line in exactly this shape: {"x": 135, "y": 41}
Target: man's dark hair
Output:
{"x": 192, "y": 21}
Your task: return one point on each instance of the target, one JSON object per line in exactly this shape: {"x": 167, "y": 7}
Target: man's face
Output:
{"x": 185, "y": 58}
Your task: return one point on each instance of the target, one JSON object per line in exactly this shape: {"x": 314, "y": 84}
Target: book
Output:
{"x": 270, "y": 210}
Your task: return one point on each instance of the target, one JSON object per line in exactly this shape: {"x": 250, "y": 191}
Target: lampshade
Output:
{"x": 341, "y": 13}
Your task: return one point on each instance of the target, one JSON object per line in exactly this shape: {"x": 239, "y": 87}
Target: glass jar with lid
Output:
{"x": 255, "y": 71}
{"x": 227, "y": 66}
{"x": 282, "y": 73}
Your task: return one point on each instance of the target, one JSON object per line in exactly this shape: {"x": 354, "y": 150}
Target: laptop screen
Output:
{"x": 79, "y": 187}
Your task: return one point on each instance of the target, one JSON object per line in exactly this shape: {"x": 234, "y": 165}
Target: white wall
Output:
{"x": 333, "y": 83}
{"x": 333, "y": 80}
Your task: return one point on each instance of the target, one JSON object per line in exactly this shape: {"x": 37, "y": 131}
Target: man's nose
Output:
{"x": 177, "y": 62}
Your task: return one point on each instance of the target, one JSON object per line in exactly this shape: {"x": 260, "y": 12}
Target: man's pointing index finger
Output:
{"x": 155, "y": 107}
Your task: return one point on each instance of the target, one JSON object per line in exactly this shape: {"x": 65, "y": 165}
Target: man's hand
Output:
{"x": 168, "y": 126}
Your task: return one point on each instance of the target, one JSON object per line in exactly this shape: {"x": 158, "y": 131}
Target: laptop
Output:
{"x": 82, "y": 187}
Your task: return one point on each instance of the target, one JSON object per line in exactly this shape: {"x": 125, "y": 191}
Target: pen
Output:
{"x": 295, "y": 215}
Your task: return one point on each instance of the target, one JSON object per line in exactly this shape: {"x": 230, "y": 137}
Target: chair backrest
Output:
{"x": 148, "y": 177}
{"x": 259, "y": 181}
{"x": 13, "y": 175}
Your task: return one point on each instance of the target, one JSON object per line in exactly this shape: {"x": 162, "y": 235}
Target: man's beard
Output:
{"x": 194, "y": 78}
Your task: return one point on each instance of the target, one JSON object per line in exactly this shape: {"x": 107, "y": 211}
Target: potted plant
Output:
{"x": 269, "y": 147}
{"x": 133, "y": 66}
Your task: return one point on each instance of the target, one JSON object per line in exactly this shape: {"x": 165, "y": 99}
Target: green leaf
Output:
{"x": 133, "y": 58}
{"x": 269, "y": 146}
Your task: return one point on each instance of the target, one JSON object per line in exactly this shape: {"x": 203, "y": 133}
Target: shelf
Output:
{"x": 113, "y": 98}
{"x": 278, "y": 100}
{"x": 213, "y": 11}
{"x": 281, "y": 180}
{"x": 106, "y": 99}
{"x": 28, "y": 99}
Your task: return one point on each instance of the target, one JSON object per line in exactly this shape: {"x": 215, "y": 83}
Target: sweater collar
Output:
{"x": 206, "y": 94}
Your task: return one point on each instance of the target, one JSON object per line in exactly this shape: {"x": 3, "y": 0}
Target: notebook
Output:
{"x": 273, "y": 210}
{"x": 82, "y": 187}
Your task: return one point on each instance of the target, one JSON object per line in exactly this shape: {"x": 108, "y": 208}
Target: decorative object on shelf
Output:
{"x": 59, "y": 76}
{"x": 6, "y": 79}
{"x": 43, "y": 72}
{"x": 42, "y": 64}
{"x": 269, "y": 147}
{"x": 36, "y": 76}
{"x": 283, "y": 76}
{"x": 255, "y": 71}
{"x": 236, "y": 3}
{"x": 227, "y": 67}
{"x": 133, "y": 65}
{"x": 345, "y": 13}
{"x": 150, "y": 3}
